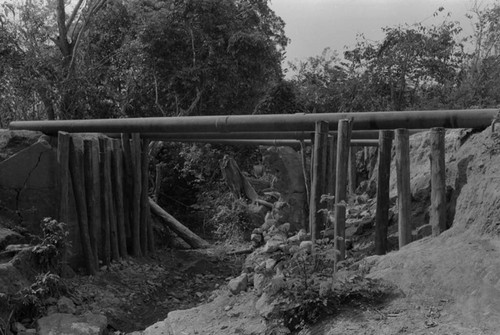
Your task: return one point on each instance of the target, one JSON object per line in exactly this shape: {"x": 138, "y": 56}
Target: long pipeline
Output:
{"x": 471, "y": 118}
{"x": 284, "y": 135}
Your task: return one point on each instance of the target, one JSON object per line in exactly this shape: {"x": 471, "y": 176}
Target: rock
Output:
{"x": 159, "y": 328}
{"x": 299, "y": 237}
{"x": 274, "y": 243}
{"x": 11, "y": 279}
{"x": 270, "y": 263}
{"x": 306, "y": 245}
{"x": 284, "y": 228}
{"x": 18, "y": 327}
{"x": 61, "y": 324}
{"x": 265, "y": 306}
{"x": 238, "y": 284}
{"x": 259, "y": 283}
{"x": 424, "y": 231}
{"x": 8, "y": 236}
{"x": 66, "y": 305}
{"x": 256, "y": 239}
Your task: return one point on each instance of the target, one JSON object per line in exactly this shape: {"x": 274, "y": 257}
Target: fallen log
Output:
{"x": 182, "y": 231}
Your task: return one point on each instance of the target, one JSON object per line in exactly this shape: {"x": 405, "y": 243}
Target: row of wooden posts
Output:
{"x": 108, "y": 179}
{"x": 330, "y": 163}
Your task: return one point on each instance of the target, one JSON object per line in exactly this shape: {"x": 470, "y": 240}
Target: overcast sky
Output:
{"x": 313, "y": 25}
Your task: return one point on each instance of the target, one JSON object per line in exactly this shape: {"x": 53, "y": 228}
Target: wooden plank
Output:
{"x": 331, "y": 169}
{"x": 343, "y": 141}
{"x": 92, "y": 197}
{"x": 64, "y": 178}
{"x": 77, "y": 178}
{"x": 117, "y": 167}
{"x": 128, "y": 182}
{"x": 352, "y": 170}
{"x": 113, "y": 224}
{"x": 182, "y": 231}
{"x": 384, "y": 172}
{"x": 403, "y": 185}
{"x": 106, "y": 205}
{"x": 438, "y": 181}
{"x": 144, "y": 196}
{"x": 96, "y": 189}
{"x": 136, "y": 194}
{"x": 316, "y": 218}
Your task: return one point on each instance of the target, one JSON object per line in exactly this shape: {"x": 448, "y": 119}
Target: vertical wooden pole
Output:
{"x": 438, "y": 181}
{"x": 128, "y": 182}
{"x": 343, "y": 143}
{"x": 384, "y": 173}
{"x": 64, "y": 180}
{"x": 92, "y": 195}
{"x": 113, "y": 224}
{"x": 403, "y": 184}
{"x": 105, "y": 205}
{"x": 77, "y": 178}
{"x": 318, "y": 179}
{"x": 305, "y": 172}
{"x": 352, "y": 170}
{"x": 119, "y": 202}
{"x": 144, "y": 196}
{"x": 96, "y": 189}
{"x": 331, "y": 169}
{"x": 136, "y": 196}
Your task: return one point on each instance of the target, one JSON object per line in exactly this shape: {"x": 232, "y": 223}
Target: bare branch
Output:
{"x": 73, "y": 14}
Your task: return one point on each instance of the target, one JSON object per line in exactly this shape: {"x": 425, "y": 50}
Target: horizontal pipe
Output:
{"x": 472, "y": 118}
{"x": 265, "y": 142}
{"x": 277, "y": 135}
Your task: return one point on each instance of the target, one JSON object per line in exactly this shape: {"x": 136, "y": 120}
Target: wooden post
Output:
{"x": 318, "y": 179}
{"x": 64, "y": 180}
{"x": 331, "y": 170}
{"x": 136, "y": 195}
{"x": 92, "y": 195}
{"x": 78, "y": 181}
{"x": 113, "y": 225}
{"x": 403, "y": 184}
{"x": 343, "y": 141}
{"x": 105, "y": 204}
{"x": 307, "y": 178}
{"x": 384, "y": 173}
{"x": 438, "y": 181}
{"x": 145, "y": 213}
{"x": 352, "y": 170}
{"x": 128, "y": 182}
{"x": 119, "y": 202}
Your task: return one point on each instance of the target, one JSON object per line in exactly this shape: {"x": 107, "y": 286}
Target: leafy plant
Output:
{"x": 50, "y": 250}
{"x": 30, "y": 301}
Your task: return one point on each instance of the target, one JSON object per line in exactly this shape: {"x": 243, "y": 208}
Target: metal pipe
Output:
{"x": 277, "y": 135}
{"x": 472, "y": 118}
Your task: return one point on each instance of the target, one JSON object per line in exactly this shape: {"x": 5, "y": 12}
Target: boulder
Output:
{"x": 286, "y": 165}
{"x": 238, "y": 284}
{"x": 62, "y": 324}
{"x": 66, "y": 305}
{"x": 8, "y": 236}
{"x": 11, "y": 279}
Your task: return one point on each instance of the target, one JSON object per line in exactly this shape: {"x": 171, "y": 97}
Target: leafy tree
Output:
{"x": 409, "y": 61}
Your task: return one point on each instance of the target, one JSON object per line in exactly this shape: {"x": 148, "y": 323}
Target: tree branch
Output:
{"x": 73, "y": 14}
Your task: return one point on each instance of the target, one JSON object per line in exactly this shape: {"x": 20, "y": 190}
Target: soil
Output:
{"x": 136, "y": 293}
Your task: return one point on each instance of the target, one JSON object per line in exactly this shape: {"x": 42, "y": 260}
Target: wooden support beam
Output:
{"x": 403, "y": 185}
{"x": 78, "y": 181}
{"x": 136, "y": 195}
{"x": 128, "y": 183}
{"x": 331, "y": 170}
{"x": 92, "y": 192}
{"x": 316, "y": 219}
{"x": 343, "y": 140}
{"x": 145, "y": 213}
{"x": 352, "y": 170}
{"x": 438, "y": 181}
{"x": 117, "y": 166}
{"x": 105, "y": 204}
{"x": 64, "y": 178}
{"x": 384, "y": 173}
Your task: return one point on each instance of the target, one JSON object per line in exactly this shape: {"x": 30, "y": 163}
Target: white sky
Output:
{"x": 313, "y": 25}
